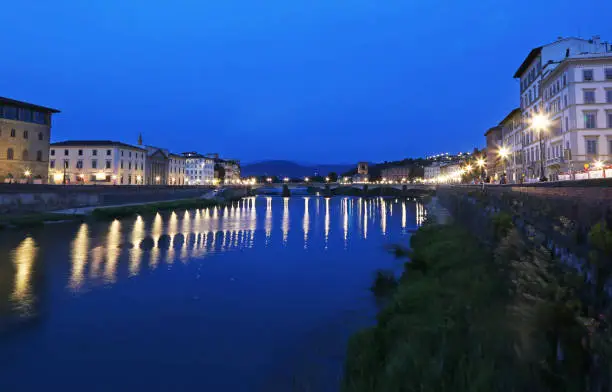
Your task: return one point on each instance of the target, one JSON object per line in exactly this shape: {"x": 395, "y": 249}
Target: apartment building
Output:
{"x": 99, "y": 162}
{"x": 577, "y": 95}
{"x": 530, "y": 74}
{"x": 25, "y": 131}
{"x": 432, "y": 171}
{"x": 512, "y": 145}
{"x": 397, "y": 173}
{"x": 200, "y": 169}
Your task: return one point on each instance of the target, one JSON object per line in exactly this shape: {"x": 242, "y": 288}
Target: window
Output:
{"x": 52, "y": 153}
{"x": 108, "y": 152}
{"x": 65, "y": 153}
{"x": 39, "y": 156}
{"x": 121, "y": 152}
{"x": 591, "y": 146}
{"x": 10, "y": 154}
{"x": 587, "y": 75}
{"x": 609, "y": 96}
{"x": 608, "y": 73}
{"x": 66, "y": 163}
{"x": 566, "y": 124}
{"x": 130, "y": 154}
{"x": 10, "y": 113}
{"x": 80, "y": 152}
{"x": 25, "y": 155}
{"x": 25, "y": 134}
{"x": 129, "y": 165}
{"x": 52, "y": 164}
{"x": 609, "y": 115}
{"x": 40, "y": 136}
{"x": 565, "y": 101}
{"x": 589, "y": 96}
{"x": 94, "y": 163}
{"x": 94, "y": 152}
{"x": 121, "y": 164}
{"x": 108, "y": 164}
{"x": 13, "y": 133}
{"x": 40, "y": 118}
{"x": 142, "y": 166}
{"x": 79, "y": 164}
{"x": 610, "y": 146}
{"x": 564, "y": 80}
{"x": 590, "y": 120}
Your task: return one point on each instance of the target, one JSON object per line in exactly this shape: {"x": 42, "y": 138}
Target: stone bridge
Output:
{"x": 335, "y": 185}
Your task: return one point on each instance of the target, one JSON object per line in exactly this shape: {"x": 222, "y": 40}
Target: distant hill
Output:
{"x": 291, "y": 169}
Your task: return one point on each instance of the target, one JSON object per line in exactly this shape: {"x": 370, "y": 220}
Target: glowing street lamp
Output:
{"x": 157, "y": 178}
{"x": 599, "y": 165}
{"x": 326, "y": 179}
{"x": 269, "y": 179}
{"x": 306, "y": 179}
{"x": 286, "y": 179}
{"x": 541, "y": 123}
{"x": 27, "y": 173}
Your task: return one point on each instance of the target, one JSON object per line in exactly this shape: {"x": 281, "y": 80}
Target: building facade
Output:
{"x": 25, "y": 131}
{"x": 530, "y": 74}
{"x": 432, "y": 172}
{"x": 176, "y": 169}
{"x": 199, "y": 169}
{"x": 494, "y": 139}
{"x": 577, "y": 96}
{"x": 512, "y": 143}
{"x": 398, "y": 173}
{"x": 99, "y": 162}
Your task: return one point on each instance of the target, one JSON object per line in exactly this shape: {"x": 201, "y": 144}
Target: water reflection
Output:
{"x": 79, "y": 253}
{"x": 285, "y": 226}
{"x": 112, "y": 251}
{"x": 136, "y": 251}
{"x": 23, "y": 258}
{"x": 306, "y": 221}
{"x": 98, "y": 251}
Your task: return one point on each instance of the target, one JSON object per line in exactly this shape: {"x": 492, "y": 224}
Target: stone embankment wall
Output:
{"x": 558, "y": 214}
{"x": 25, "y": 198}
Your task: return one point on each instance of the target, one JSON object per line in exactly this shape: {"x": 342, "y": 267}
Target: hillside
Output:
{"x": 291, "y": 169}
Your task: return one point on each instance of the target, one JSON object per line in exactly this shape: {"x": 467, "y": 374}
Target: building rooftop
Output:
{"x": 493, "y": 129}
{"x": 21, "y": 104}
{"x": 535, "y": 52}
{"x": 93, "y": 143}
{"x": 509, "y": 116}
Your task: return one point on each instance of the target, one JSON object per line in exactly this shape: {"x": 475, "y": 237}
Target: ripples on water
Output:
{"x": 104, "y": 254}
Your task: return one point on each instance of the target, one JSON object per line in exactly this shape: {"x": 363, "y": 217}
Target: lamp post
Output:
{"x": 503, "y": 153}
{"x": 481, "y": 164}
{"x": 540, "y": 122}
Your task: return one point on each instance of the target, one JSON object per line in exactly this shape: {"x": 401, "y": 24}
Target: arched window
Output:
{"x": 9, "y": 154}
{"x": 40, "y": 136}
{"x": 25, "y": 156}
{"x": 39, "y": 155}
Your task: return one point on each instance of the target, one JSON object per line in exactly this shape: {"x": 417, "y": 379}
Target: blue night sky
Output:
{"x": 322, "y": 81}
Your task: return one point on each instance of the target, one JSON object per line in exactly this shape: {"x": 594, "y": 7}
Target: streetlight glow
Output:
{"x": 598, "y": 164}
{"x": 27, "y": 173}
{"x": 540, "y": 122}
{"x": 503, "y": 152}
{"x": 480, "y": 162}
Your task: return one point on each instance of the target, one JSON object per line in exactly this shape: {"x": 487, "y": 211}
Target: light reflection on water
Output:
{"x": 193, "y": 234}
{"x": 131, "y": 252}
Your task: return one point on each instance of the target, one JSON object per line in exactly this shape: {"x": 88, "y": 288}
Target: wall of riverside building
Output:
{"x": 26, "y": 198}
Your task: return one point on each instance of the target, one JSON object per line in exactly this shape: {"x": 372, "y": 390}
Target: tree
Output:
{"x": 333, "y": 176}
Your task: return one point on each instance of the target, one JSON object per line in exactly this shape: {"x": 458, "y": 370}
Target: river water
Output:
{"x": 259, "y": 296}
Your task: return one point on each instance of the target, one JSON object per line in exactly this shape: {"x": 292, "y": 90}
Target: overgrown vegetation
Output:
{"x": 35, "y": 219}
{"x": 490, "y": 310}
{"x": 151, "y": 208}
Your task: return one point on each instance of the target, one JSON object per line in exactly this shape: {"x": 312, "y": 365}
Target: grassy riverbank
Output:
{"x": 468, "y": 317}
{"x": 36, "y": 219}
{"x": 151, "y": 208}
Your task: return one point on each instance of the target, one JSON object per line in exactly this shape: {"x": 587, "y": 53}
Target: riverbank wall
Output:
{"x": 28, "y": 198}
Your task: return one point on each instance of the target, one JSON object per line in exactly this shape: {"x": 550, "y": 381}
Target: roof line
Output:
{"x": 28, "y": 105}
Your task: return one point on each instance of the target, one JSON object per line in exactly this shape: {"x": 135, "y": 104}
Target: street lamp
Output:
{"x": 269, "y": 179}
{"x": 306, "y": 179}
{"x": 541, "y": 123}
{"x": 599, "y": 165}
{"x": 326, "y": 179}
{"x": 286, "y": 179}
